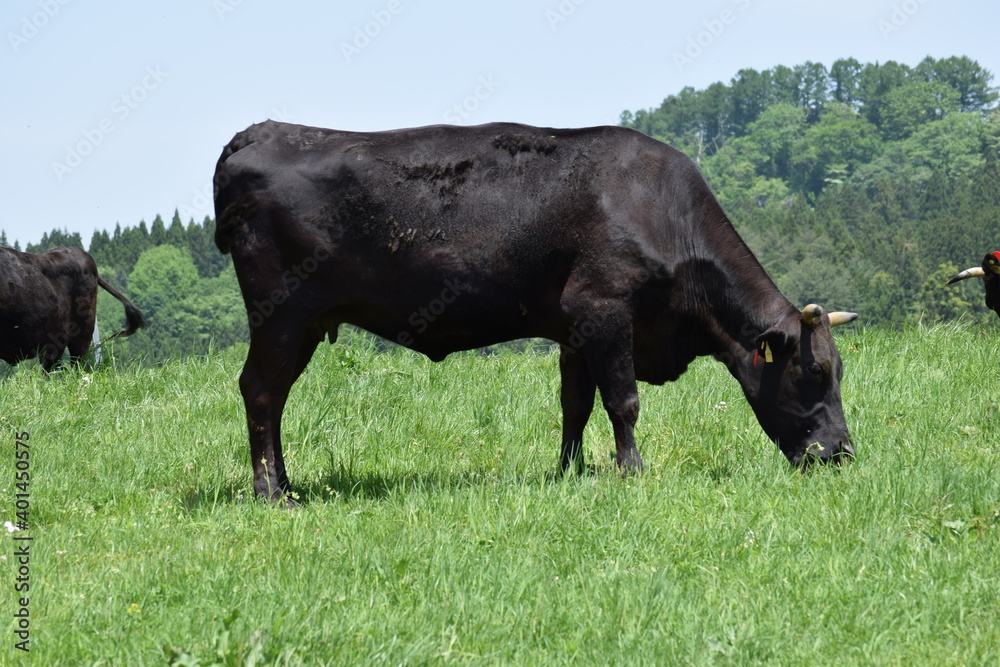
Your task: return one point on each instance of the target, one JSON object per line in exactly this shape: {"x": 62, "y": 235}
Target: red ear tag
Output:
{"x": 756, "y": 358}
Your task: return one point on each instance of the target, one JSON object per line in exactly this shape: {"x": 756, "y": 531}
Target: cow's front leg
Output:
{"x": 577, "y": 398}
{"x": 612, "y": 368}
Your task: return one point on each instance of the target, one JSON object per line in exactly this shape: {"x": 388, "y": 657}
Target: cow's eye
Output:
{"x": 815, "y": 369}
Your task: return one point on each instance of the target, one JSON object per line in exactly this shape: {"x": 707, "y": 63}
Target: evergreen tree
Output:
{"x": 845, "y": 75}
{"x": 968, "y": 79}
{"x": 813, "y": 89}
{"x": 987, "y": 188}
{"x": 984, "y": 227}
{"x": 55, "y": 239}
{"x": 936, "y": 195}
{"x": 100, "y": 248}
{"x": 158, "y": 232}
{"x": 133, "y": 242}
{"x": 201, "y": 253}
{"x": 750, "y": 91}
{"x": 176, "y": 234}
{"x": 874, "y": 83}
{"x": 935, "y": 303}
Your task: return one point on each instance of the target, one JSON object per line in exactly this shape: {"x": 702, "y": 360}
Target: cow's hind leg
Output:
{"x": 49, "y": 355}
{"x": 80, "y": 344}
{"x": 577, "y": 398}
{"x": 275, "y": 361}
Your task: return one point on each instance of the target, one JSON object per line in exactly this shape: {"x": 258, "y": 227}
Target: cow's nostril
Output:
{"x": 844, "y": 452}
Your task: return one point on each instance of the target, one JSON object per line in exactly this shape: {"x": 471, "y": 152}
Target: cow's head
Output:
{"x": 792, "y": 381}
{"x": 990, "y": 273}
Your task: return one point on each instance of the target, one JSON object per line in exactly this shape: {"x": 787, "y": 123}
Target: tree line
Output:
{"x": 859, "y": 187}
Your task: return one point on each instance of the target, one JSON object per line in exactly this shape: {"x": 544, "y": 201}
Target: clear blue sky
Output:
{"x": 115, "y": 112}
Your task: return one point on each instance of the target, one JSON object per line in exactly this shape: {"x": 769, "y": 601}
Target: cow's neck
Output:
{"x": 737, "y": 299}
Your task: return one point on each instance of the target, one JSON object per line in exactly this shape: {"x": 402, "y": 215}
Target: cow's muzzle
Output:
{"x": 837, "y": 451}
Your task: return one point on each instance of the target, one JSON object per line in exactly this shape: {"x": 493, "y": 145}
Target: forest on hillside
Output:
{"x": 860, "y": 187}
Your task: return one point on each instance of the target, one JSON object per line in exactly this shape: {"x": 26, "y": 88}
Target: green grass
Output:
{"x": 433, "y": 528}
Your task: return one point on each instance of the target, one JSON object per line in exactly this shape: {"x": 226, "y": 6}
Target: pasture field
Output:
{"x": 433, "y": 528}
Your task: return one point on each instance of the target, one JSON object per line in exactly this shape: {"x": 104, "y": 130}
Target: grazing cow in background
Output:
{"x": 451, "y": 238}
{"x": 990, "y": 273}
{"x": 48, "y": 302}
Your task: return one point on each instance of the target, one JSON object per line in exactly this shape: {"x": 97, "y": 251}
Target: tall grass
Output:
{"x": 433, "y": 527}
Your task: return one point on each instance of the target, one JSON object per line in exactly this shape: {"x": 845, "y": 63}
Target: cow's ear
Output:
{"x": 771, "y": 342}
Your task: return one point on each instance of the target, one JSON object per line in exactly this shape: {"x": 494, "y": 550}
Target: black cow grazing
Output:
{"x": 48, "y": 302}
{"x": 451, "y": 238}
{"x": 990, "y": 273}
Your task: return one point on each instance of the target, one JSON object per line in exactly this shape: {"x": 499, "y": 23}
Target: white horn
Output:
{"x": 841, "y": 317}
{"x": 974, "y": 272}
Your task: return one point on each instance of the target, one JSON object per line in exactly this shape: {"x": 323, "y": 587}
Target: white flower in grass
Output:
{"x": 10, "y": 527}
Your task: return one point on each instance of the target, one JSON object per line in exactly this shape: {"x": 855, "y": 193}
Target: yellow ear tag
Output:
{"x": 768, "y": 357}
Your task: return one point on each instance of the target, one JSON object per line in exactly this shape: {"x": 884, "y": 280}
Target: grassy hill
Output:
{"x": 433, "y": 527}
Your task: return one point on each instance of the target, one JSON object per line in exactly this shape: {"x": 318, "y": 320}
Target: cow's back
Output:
{"x": 436, "y": 183}
{"x": 45, "y": 298}
{"x": 538, "y": 225}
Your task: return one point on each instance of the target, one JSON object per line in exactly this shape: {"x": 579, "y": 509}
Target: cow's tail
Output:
{"x": 133, "y": 318}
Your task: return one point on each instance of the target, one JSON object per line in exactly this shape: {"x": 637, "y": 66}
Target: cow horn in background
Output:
{"x": 812, "y": 313}
{"x": 841, "y": 317}
{"x": 974, "y": 272}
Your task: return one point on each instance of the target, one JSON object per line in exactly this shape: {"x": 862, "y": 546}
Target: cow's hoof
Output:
{"x": 630, "y": 464}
